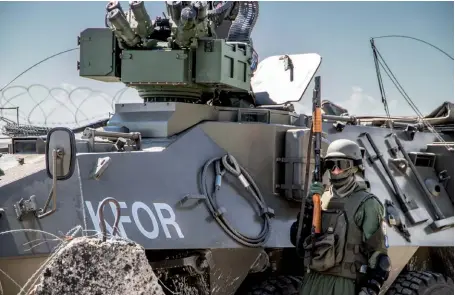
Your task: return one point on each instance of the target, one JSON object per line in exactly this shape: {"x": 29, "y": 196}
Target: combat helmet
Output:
{"x": 345, "y": 149}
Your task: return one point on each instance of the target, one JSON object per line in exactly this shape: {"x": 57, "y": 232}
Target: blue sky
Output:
{"x": 338, "y": 31}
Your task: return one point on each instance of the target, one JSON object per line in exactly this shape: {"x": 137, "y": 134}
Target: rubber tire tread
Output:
{"x": 421, "y": 283}
{"x": 280, "y": 285}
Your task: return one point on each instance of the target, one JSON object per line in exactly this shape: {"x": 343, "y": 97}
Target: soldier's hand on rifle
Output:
{"x": 316, "y": 188}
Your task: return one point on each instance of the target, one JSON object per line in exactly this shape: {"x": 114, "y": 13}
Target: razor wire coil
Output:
{"x": 64, "y": 101}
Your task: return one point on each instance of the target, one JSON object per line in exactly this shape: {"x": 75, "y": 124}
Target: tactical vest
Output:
{"x": 339, "y": 250}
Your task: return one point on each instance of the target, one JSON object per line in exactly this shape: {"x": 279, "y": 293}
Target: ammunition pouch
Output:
{"x": 339, "y": 250}
{"x": 326, "y": 251}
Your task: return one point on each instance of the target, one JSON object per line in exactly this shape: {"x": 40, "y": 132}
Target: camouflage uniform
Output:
{"x": 349, "y": 256}
{"x": 369, "y": 218}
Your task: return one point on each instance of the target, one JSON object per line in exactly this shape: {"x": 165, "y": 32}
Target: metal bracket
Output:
{"x": 410, "y": 131}
{"x": 261, "y": 264}
{"x": 434, "y": 206}
{"x": 288, "y": 188}
{"x": 197, "y": 263}
{"x": 247, "y": 115}
{"x": 393, "y": 151}
{"x": 101, "y": 166}
{"x": 56, "y": 157}
{"x": 339, "y": 126}
{"x": 411, "y": 210}
{"x": 24, "y": 207}
{"x": 443, "y": 176}
{"x": 374, "y": 158}
{"x": 288, "y": 65}
{"x": 400, "y": 163}
{"x": 132, "y": 138}
{"x": 188, "y": 197}
{"x": 120, "y": 144}
{"x": 394, "y": 220}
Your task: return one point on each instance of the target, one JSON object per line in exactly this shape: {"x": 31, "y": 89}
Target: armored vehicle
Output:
{"x": 209, "y": 172}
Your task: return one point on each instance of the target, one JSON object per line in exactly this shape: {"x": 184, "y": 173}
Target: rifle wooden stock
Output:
{"x": 317, "y": 213}
{"x": 317, "y": 176}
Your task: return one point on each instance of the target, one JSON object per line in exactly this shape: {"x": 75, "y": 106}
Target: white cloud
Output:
{"x": 360, "y": 103}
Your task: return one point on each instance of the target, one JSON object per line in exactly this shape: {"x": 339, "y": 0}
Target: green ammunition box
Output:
{"x": 218, "y": 62}
{"x": 156, "y": 66}
{"x": 97, "y": 55}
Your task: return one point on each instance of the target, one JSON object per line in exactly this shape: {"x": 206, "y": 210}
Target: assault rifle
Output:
{"x": 313, "y": 208}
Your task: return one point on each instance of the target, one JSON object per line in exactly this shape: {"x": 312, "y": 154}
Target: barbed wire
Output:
{"x": 61, "y": 239}
{"x": 20, "y": 104}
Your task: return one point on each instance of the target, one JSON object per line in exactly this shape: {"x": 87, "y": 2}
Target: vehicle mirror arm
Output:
{"x": 56, "y": 155}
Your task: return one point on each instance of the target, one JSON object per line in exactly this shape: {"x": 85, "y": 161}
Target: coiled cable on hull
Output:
{"x": 229, "y": 164}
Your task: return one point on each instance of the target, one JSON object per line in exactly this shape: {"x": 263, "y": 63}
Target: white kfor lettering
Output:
{"x": 165, "y": 221}
{"x": 95, "y": 219}
{"x": 153, "y": 234}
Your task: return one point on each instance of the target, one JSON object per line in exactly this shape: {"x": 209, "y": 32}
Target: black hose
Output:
{"x": 229, "y": 164}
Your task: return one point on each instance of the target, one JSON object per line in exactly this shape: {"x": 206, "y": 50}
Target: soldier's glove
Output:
{"x": 375, "y": 277}
{"x": 366, "y": 291}
{"x": 316, "y": 188}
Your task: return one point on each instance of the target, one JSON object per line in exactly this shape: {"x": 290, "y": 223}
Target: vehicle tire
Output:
{"x": 280, "y": 285}
{"x": 421, "y": 283}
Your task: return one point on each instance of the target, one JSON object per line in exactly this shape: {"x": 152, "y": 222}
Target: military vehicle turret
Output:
{"x": 209, "y": 171}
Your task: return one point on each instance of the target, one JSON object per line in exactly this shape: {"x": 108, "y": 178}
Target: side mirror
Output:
{"x": 60, "y": 162}
{"x": 60, "y": 153}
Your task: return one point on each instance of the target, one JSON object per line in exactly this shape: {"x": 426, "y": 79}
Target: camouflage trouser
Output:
{"x": 317, "y": 284}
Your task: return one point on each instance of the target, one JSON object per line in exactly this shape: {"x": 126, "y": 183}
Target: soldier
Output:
{"x": 350, "y": 256}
